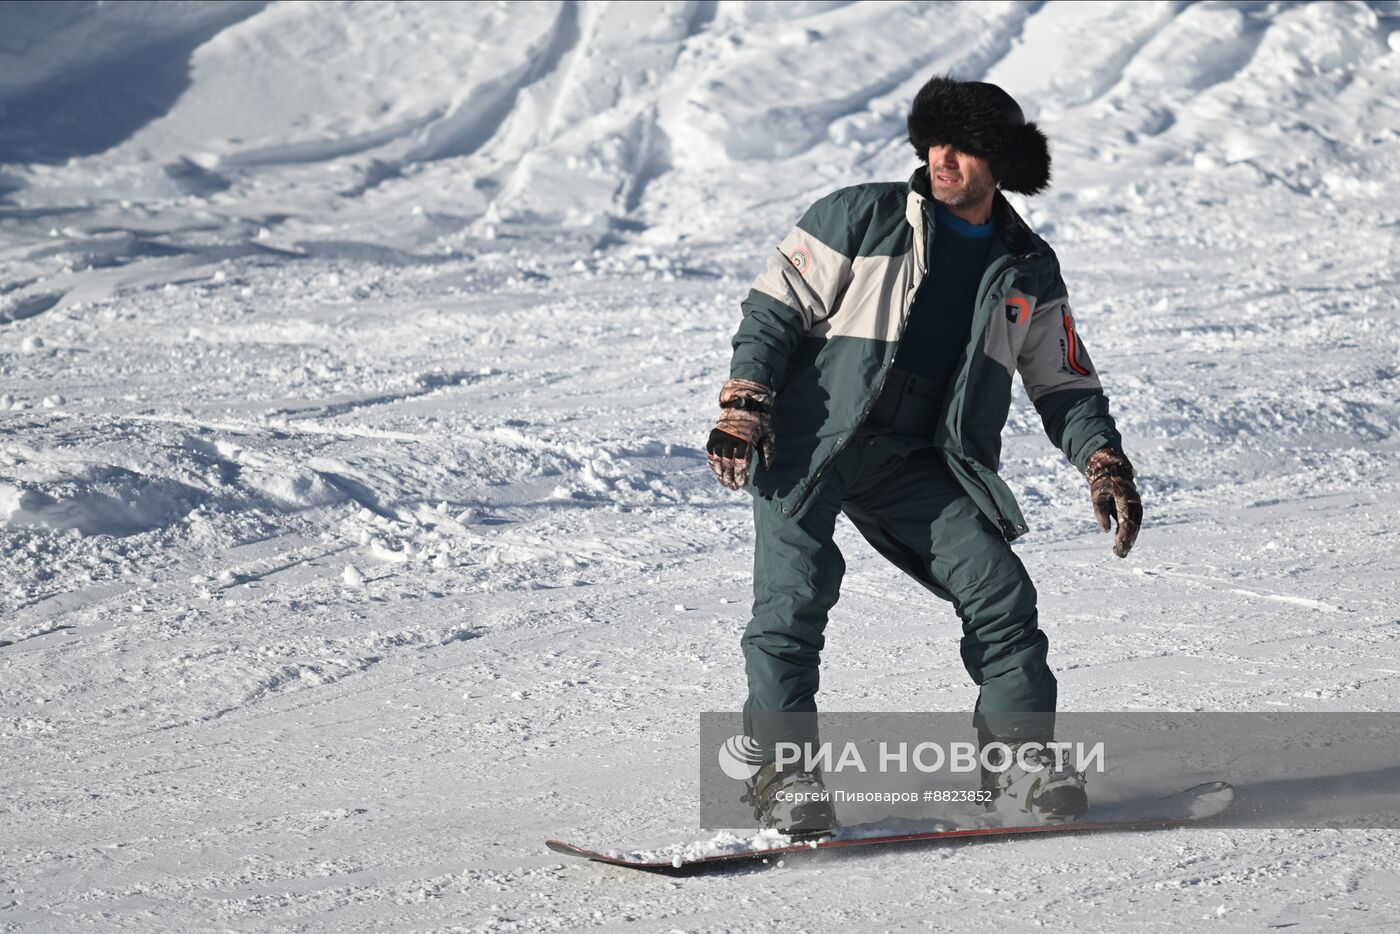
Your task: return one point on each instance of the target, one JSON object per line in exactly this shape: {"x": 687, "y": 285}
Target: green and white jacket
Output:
{"x": 822, "y": 323}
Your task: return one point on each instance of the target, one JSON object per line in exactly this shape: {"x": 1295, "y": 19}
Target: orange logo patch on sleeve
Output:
{"x": 1018, "y": 309}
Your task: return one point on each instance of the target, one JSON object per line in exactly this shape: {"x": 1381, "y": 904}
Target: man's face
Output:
{"x": 959, "y": 180}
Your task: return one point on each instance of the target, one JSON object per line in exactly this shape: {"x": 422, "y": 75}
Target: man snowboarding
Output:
{"x": 871, "y": 376}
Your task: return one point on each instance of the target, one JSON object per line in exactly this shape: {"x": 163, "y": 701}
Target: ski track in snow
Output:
{"x": 355, "y": 531}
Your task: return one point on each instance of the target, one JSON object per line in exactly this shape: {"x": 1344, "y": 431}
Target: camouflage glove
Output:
{"x": 1115, "y": 497}
{"x": 744, "y": 425}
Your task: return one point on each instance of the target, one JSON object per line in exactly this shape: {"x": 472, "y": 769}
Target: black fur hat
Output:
{"x": 981, "y": 120}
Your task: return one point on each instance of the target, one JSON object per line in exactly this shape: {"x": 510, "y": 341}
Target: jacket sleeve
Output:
{"x": 1061, "y": 380}
{"x": 802, "y": 285}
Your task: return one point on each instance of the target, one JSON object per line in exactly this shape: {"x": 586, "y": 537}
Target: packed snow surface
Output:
{"x": 355, "y": 365}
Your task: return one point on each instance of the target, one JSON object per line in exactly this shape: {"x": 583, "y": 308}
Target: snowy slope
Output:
{"x": 355, "y": 360}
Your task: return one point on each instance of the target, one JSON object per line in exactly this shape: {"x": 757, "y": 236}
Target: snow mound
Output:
{"x": 143, "y": 480}
{"x": 97, "y": 501}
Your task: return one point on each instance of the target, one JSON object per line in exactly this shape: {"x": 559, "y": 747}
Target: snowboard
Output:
{"x": 1195, "y": 804}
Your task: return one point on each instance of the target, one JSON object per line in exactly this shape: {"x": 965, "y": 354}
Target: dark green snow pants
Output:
{"x": 893, "y": 486}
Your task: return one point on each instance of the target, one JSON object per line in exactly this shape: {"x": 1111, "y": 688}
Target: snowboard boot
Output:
{"x": 794, "y": 803}
{"x": 1044, "y": 793}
